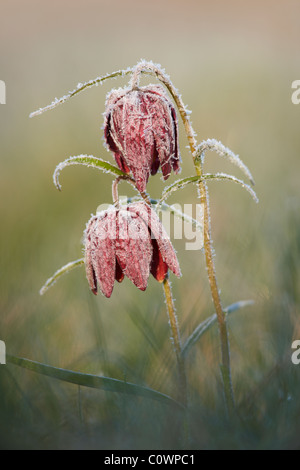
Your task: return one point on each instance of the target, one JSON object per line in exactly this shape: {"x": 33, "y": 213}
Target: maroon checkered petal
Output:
{"x": 125, "y": 132}
{"x": 176, "y": 156}
{"x": 165, "y": 129}
{"x": 113, "y": 146}
{"x": 133, "y": 248}
{"x": 119, "y": 273}
{"x": 138, "y": 137}
{"x": 90, "y": 273}
{"x": 141, "y": 130}
{"x": 158, "y": 267}
{"x": 103, "y": 251}
{"x": 155, "y": 162}
{"x": 160, "y": 235}
{"x": 162, "y": 131}
{"x": 113, "y": 133}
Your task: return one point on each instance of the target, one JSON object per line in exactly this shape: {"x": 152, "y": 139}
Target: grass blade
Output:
{"x": 92, "y": 381}
{"x": 206, "y": 324}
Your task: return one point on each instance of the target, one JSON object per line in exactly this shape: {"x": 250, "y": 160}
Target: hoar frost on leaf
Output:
{"x": 222, "y": 151}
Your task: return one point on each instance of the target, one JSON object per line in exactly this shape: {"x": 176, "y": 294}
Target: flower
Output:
{"x": 141, "y": 130}
{"x": 129, "y": 241}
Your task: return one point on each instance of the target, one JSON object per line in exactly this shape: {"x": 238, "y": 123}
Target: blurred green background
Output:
{"x": 233, "y": 63}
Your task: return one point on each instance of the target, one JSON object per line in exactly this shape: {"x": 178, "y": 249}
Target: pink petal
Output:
{"x": 163, "y": 130}
{"x": 138, "y": 138}
{"x": 159, "y": 268}
{"x": 160, "y": 235}
{"x": 155, "y": 163}
{"x": 133, "y": 248}
{"x": 141, "y": 130}
{"x": 121, "y": 163}
{"x": 114, "y": 135}
{"x": 90, "y": 273}
{"x": 119, "y": 273}
{"x": 176, "y": 155}
{"x": 103, "y": 251}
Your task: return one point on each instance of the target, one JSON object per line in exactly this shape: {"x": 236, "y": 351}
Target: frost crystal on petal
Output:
{"x": 133, "y": 249}
{"x": 141, "y": 129}
{"x": 100, "y": 253}
{"x": 129, "y": 241}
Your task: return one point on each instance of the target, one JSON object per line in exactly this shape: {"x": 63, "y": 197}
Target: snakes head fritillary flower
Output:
{"x": 141, "y": 130}
{"x": 127, "y": 241}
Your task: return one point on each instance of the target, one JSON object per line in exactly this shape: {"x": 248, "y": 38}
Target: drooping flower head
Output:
{"x": 129, "y": 241}
{"x": 141, "y": 130}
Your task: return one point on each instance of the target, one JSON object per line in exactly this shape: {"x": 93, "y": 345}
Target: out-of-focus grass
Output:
{"x": 247, "y": 106}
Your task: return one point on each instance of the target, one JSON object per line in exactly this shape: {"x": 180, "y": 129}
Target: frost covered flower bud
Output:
{"x": 129, "y": 241}
{"x": 141, "y": 130}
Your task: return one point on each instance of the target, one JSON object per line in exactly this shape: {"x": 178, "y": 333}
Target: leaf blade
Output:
{"x": 208, "y": 322}
{"x": 179, "y": 184}
{"x": 92, "y": 381}
{"x": 80, "y": 87}
{"x": 89, "y": 161}
{"x": 222, "y": 151}
{"x": 60, "y": 272}
{"x": 224, "y": 176}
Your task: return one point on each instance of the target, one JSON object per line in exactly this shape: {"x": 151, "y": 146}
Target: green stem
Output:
{"x": 208, "y": 248}
{"x": 115, "y": 192}
{"x": 176, "y": 341}
{"x": 225, "y": 354}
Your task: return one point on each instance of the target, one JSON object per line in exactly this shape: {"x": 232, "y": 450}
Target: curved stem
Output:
{"x": 176, "y": 341}
{"x": 146, "y": 197}
{"x": 115, "y": 193}
{"x": 114, "y": 190}
{"x": 225, "y": 354}
{"x": 149, "y": 67}
{"x": 211, "y": 272}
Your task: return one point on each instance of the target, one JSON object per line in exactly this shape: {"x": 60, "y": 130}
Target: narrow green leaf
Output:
{"x": 224, "y": 177}
{"x": 206, "y": 324}
{"x": 92, "y": 381}
{"x": 60, "y": 272}
{"x": 222, "y": 151}
{"x": 179, "y": 184}
{"x": 89, "y": 161}
{"x": 80, "y": 87}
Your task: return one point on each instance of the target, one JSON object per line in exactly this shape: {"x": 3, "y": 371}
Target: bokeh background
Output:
{"x": 233, "y": 63}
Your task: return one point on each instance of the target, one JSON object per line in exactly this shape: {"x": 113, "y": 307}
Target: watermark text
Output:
{"x": 296, "y": 354}
{"x": 296, "y": 94}
{"x": 2, "y": 92}
{"x": 181, "y": 222}
{"x": 2, "y": 352}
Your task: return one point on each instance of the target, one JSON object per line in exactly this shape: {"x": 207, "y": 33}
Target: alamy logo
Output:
{"x": 2, "y": 92}
{"x": 295, "y": 356}
{"x": 179, "y": 222}
{"x": 296, "y": 94}
{"x": 2, "y": 353}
